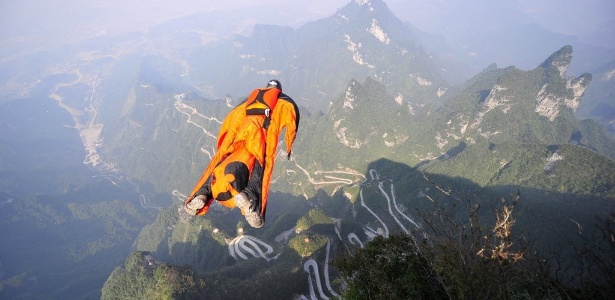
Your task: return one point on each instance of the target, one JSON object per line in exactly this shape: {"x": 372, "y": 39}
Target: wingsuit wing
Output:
{"x": 226, "y": 136}
{"x": 285, "y": 115}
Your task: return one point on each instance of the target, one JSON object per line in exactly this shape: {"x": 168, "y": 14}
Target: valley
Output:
{"x": 101, "y": 141}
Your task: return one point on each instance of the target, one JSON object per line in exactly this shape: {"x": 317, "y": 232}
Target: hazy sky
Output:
{"x": 21, "y": 19}
{"x": 561, "y": 16}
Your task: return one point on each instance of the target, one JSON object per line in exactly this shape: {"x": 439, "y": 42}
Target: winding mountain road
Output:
{"x": 251, "y": 245}
{"x": 311, "y": 267}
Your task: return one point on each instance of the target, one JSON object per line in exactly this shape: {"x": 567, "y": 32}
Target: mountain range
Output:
{"x": 382, "y": 126}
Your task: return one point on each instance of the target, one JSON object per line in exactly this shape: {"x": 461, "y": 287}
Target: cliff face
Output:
{"x": 552, "y": 96}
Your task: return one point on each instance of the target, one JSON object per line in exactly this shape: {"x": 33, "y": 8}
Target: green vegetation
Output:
{"x": 471, "y": 259}
{"x": 388, "y": 269}
{"x": 305, "y": 244}
{"x": 313, "y": 217}
{"x": 142, "y": 278}
{"x": 565, "y": 169}
{"x": 80, "y": 237}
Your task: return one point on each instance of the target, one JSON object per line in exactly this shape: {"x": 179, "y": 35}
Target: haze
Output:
{"x": 66, "y": 20}
{"x": 127, "y": 90}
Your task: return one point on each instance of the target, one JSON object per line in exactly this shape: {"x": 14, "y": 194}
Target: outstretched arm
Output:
{"x": 285, "y": 115}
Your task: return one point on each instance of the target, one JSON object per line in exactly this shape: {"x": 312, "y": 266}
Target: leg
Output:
{"x": 255, "y": 185}
{"x": 230, "y": 178}
{"x": 249, "y": 200}
{"x": 198, "y": 203}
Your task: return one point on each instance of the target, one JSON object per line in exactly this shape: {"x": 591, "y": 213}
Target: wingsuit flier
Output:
{"x": 239, "y": 173}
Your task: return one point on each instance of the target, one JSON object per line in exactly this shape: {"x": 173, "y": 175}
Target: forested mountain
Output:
{"x": 498, "y": 139}
{"x": 64, "y": 226}
{"x": 362, "y": 39}
{"x": 128, "y": 127}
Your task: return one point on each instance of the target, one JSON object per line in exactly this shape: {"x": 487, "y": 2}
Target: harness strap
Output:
{"x": 258, "y": 112}
{"x": 261, "y": 112}
{"x": 263, "y": 97}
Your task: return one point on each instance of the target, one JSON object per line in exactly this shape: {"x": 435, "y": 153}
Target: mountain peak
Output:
{"x": 370, "y": 3}
{"x": 560, "y": 60}
{"x": 556, "y": 91}
{"x": 377, "y": 7}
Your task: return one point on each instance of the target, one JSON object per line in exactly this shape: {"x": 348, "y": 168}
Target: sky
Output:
{"x": 25, "y": 22}
{"x": 565, "y": 16}
{"x": 35, "y": 16}
{"x": 568, "y": 17}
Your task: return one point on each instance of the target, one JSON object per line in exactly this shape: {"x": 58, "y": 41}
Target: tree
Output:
{"x": 457, "y": 255}
{"x": 388, "y": 268}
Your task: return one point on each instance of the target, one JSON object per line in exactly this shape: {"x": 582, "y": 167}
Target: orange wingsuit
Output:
{"x": 247, "y": 146}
